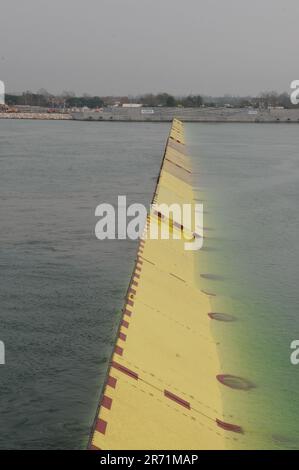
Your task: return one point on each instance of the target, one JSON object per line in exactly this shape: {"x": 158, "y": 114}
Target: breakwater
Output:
{"x": 37, "y": 116}
{"x": 237, "y": 115}
{"x": 160, "y": 114}
{"x": 161, "y": 389}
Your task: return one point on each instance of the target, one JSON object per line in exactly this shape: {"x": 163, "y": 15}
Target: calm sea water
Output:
{"x": 248, "y": 178}
{"x": 61, "y": 290}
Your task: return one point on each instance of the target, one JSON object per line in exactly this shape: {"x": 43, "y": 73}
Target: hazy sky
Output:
{"x": 125, "y": 47}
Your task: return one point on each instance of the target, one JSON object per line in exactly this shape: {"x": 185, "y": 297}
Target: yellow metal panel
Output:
{"x": 161, "y": 390}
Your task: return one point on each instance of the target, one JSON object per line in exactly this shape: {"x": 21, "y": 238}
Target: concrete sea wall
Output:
{"x": 39, "y": 116}
{"x": 190, "y": 115}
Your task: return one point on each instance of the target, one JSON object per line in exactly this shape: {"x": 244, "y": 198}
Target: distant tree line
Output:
{"x": 164, "y": 99}
{"x": 28, "y": 98}
{"x": 47, "y": 100}
{"x": 91, "y": 102}
{"x": 69, "y": 100}
{"x": 263, "y": 100}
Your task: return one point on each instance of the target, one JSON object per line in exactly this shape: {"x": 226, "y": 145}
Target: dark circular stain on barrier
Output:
{"x": 221, "y": 316}
{"x": 237, "y": 383}
{"x": 212, "y": 277}
{"x": 208, "y": 293}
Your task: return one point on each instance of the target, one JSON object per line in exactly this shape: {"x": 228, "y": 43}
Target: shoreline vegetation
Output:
{"x": 165, "y": 114}
{"x": 69, "y": 100}
{"x": 161, "y": 107}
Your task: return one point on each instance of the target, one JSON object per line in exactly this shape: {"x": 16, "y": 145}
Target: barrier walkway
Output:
{"x": 161, "y": 390}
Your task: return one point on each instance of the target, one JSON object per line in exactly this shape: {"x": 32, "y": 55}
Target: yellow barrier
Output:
{"x": 161, "y": 390}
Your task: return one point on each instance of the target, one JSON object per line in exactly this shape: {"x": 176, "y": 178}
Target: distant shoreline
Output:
{"x": 37, "y": 116}
{"x": 208, "y": 115}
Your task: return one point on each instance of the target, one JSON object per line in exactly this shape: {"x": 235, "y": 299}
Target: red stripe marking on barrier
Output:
{"x": 134, "y": 283}
{"x": 229, "y": 426}
{"x": 111, "y": 381}
{"x": 179, "y": 166}
{"x": 138, "y": 268}
{"x": 93, "y": 447}
{"x": 122, "y": 336}
{"x": 137, "y": 275}
{"x": 127, "y": 312}
{"x": 177, "y": 399}
{"x": 159, "y": 215}
{"x": 125, "y": 324}
{"x": 101, "y": 426}
{"x": 118, "y": 350}
{"x": 106, "y": 402}
{"x": 125, "y": 370}
{"x": 130, "y": 302}
{"x": 176, "y": 224}
{"x": 132, "y": 291}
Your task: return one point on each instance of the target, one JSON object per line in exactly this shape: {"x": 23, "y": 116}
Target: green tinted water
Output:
{"x": 248, "y": 178}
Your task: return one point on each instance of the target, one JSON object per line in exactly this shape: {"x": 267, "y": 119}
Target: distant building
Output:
{"x": 276, "y": 107}
{"x": 113, "y": 100}
{"x": 132, "y": 105}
